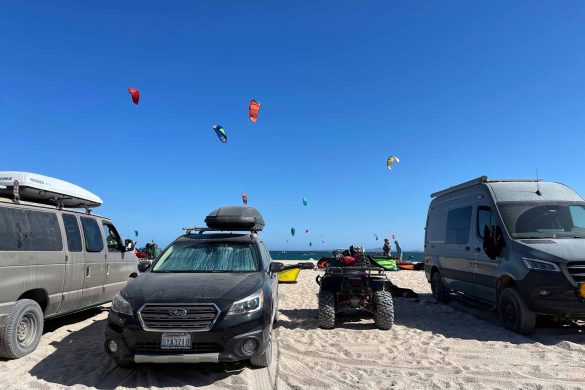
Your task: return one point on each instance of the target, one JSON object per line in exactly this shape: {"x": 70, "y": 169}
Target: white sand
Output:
{"x": 431, "y": 346}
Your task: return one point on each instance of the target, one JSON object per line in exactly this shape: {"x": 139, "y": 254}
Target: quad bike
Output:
{"x": 351, "y": 282}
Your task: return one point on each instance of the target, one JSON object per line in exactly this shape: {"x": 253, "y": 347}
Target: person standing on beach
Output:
{"x": 398, "y": 248}
{"x": 386, "y": 247}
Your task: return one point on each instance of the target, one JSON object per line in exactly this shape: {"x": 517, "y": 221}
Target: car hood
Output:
{"x": 192, "y": 287}
{"x": 562, "y": 249}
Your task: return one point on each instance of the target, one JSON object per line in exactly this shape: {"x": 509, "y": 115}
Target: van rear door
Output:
{"x": 94, "y": 271}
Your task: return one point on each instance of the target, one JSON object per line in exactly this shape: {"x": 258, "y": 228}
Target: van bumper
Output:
{"x": 220, "y": 344}
{"x": 551, "y": 293}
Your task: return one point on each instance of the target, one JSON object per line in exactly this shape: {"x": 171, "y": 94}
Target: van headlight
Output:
{"x": 250, "y": 304}
{"x": 120, "y": 305}
{"x": 540, "y": 265}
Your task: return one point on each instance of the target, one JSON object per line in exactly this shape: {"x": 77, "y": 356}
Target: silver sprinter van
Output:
{"x": 53, "y": 261}
{"x": 516, "y": 244}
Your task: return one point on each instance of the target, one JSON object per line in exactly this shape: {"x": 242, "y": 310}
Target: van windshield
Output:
{"x": 207, "y": 257}
{"x": 544, "y": 220}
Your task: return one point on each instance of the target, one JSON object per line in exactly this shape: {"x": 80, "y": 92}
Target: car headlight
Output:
{"x": 540, "y": 265}
{"x": 250, "y": 304}
{"x": 120, "y": 305}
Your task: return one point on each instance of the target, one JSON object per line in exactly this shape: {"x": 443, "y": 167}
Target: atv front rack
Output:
{"x": 343, "y": 270}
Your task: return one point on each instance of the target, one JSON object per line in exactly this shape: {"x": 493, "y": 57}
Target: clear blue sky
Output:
{"x": 456, "y": 89}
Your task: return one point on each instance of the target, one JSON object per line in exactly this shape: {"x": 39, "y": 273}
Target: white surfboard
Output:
{"x": 48, "y": 190}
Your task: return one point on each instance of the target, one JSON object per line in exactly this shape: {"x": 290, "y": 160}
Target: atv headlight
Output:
{"x": 120, "y": 305}
{"x": 540, "y": 265}
{"x": 250, "y": 304}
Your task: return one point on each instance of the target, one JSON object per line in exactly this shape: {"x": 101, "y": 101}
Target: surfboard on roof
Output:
{"x": 47, "y": 190}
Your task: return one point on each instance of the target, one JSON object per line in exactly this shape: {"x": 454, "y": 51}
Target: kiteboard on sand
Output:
{"x": 47, "y": 190}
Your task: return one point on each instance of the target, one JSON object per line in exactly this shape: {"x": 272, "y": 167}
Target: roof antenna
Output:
{"x": 537, "y": 185}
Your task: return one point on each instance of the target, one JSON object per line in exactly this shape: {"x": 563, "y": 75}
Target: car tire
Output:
{"x": 514, "y": 313}
{"x": 438, "y": 288}
{"x": 22, "y": 329}
{"x": 265, "y": 358}
{"x": 326, "y": 309}
{"x": 384, "y": 315}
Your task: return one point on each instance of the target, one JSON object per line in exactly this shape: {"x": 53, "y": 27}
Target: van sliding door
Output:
{"x": 457, "y": 265}
{"x": 74, "y": 265}
{"x": 94, "y": 271}
{"x": 485, "y": 268}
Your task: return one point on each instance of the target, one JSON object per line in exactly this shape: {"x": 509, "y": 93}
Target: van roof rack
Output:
{"x": 479, "y": 180}
{"x": 202, "y": 230}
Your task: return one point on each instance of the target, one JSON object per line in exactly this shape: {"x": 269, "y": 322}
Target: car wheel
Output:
{"x": 265, "y": 358}
{"x": 384, "y": 315}
{"x": 438, "y": 288}
{"x": 514, "y": 313}
{"x": 22, "y": 329}
{"x": 326, "y": 309}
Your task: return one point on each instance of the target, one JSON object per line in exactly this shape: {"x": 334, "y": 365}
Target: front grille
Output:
{"x": 198, "y": 317}
{"x": 577, "y": 271}
{"x": 154, "y": 347}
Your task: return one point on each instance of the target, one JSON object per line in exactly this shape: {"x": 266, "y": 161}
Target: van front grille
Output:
{"x": 183, "y": 317}
{"x": 154, "y": 347}
{"x": 577, "y": 271}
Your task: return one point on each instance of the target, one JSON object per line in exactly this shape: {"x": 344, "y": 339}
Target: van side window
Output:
{"x": 45, "y": 232}
{"x": 72, "y": 232}
{"x": 458, "y": 224}
{"x": 14, "y": 230}
{"x": 112, "y": 238}
{"x": 93, "y": 235}
{"x": 25, "y": 230}
{"x": 436, "y": 227}
{"x": 485, "y": 218}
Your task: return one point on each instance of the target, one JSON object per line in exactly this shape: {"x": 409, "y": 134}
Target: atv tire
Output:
{"x": 384, "y": 315}
{"x": 326, "y": 310}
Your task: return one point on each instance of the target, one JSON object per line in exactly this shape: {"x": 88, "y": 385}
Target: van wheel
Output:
{"x": 514, "y": 312}
{"x": 22, "y": 329}
{"x": 265, "y": 358}
{"x": 326, "y": 310}
{"x": 384, "y": 315}
{"x": 438, "y": 288}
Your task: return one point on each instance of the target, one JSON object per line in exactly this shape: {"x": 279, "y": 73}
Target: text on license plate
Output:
{"x": 175, "y": 341}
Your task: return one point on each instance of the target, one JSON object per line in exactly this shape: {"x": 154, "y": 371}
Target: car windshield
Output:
{"x": 208, "y": 257}
{"x": 544, "y": 220}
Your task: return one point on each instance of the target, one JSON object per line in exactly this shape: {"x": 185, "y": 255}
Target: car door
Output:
{"x": 74, "y": 264}
{"x": 94, "y": 269}
{"x": 456, "y": 263}
{"x": 485, "y": 269}
{"x": 119, "y": 263}
{"x": 267, "y": 259}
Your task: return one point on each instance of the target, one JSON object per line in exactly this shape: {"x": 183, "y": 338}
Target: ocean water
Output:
{"x": 316, "y": 255}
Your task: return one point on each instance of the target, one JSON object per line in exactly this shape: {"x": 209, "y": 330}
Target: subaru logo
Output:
{"x": 178, "y": 312}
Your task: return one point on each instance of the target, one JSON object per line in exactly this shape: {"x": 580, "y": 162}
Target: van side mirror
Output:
{"x": 275, "y": 267}
{"x": 143, "y": 266}
{"x": 129, "y": 245}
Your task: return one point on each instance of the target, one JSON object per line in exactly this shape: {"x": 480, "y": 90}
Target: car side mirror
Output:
{"x": 143, "y": 266}
{"x": 275, "y": 267}
{"x": 129, "y": 245}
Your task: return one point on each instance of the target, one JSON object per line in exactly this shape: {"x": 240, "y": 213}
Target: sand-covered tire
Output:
{"x": 22, "y": 329}
{"x": 514, "y": 313}
{"x": 265, "y": 358}
{"x": 438, "y": 288}
{"x": 384, "y": 315}
{"x": 326, "y": 309}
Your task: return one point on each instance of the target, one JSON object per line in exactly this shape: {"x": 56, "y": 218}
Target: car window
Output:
{"x": 72, "y": 233}
{"x": 266, "y": 258}
{"x": 113, "y": 240}
{"x": 93, "y": 235}
{"x": 458, "y": 224}
{"x": 485, "y": 217}
{"x": 26, "y": 230}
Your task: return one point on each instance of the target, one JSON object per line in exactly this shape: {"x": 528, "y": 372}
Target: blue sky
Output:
{"x": 456, "y": 89}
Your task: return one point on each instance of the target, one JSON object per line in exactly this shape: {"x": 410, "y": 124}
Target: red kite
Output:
{"x": 135, "y": 95}
{"x": 253, "y": 110}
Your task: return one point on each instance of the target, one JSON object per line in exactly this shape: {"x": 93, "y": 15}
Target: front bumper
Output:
{"x": 562, "y": 297}
{"x": 223, "y": 343}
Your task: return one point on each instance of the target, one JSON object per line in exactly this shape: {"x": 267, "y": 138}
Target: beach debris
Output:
{"x": 253, "y": 110}
{"x": 392, "y": 160}
{"x": 221, "y": 134}
{"x": 305, "y": 201}
{"x": 135, "y": 94}
{"x": 244, "y": 198}
{"x": 292, "y": 231}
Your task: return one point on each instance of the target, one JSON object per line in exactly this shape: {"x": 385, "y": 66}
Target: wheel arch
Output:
{"x": 503, "y": 282}
{"x": 39, "y": 295}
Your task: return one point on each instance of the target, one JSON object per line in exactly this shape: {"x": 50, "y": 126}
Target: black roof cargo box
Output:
{"x": 235, "y": 218}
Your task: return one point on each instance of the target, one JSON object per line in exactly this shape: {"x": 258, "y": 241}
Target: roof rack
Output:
{"x": 479, "y": 180}
{"x": 202, "y": 230}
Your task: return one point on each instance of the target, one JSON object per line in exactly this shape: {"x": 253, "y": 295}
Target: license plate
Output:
{"x": 175, "y": 341}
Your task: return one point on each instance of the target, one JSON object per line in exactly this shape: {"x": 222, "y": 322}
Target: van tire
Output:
{"x": 326, "y": 309}
{"x": 514, "y": 313}
{"x": 22, "y": 329}
{"x": 384, "y": 315}
{"x": 265, "y": 358}
{"x": 438, "y": 288}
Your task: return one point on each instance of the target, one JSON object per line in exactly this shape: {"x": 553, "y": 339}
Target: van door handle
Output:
{"x": 108, "y": 270}
{"x": 467, "y": 248}
{"x": 87, "y": 272}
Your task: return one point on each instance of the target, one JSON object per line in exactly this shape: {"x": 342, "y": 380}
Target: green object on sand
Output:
{"x": 386, "y": 263}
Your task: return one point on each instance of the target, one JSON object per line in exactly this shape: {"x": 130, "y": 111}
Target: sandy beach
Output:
{"x": 431, "y": 346}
